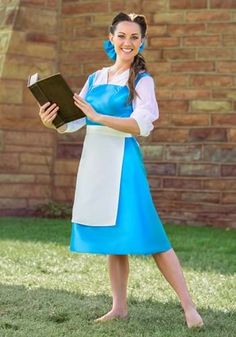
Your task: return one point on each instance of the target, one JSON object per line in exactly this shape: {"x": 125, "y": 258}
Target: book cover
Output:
{"x": 54, "y": 89}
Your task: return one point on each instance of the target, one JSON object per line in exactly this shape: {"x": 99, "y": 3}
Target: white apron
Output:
{"x": 98, "y": 180}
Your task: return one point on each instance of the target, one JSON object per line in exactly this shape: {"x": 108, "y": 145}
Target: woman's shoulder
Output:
{"x": 143, "y": 75}
{"x": 98, "y": 75}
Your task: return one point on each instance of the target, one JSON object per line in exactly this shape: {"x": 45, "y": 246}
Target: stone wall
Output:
{"x": 28, "y": 44}
{"x": 190, "y": 157}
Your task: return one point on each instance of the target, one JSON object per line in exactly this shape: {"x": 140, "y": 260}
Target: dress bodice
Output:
{"x": 109, "y": 99}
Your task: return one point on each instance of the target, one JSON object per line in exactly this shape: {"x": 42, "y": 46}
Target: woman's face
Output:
{"x": 127, "y": 40}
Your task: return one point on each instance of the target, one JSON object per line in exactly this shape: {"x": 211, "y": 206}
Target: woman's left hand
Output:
{"x": 86, "y": 108}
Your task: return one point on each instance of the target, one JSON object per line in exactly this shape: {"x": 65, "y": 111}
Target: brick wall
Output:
{"x": 190, "y": 157}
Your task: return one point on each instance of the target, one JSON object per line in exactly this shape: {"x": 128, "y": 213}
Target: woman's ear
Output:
{"x": 111, "y": 38}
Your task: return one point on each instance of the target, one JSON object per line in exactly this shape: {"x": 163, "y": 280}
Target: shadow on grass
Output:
{"x": 46, "y": 312}
{"x": 198, "y": 248}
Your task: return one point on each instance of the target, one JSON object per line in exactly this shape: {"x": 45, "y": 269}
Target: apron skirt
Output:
{"x": 137, "y": 228}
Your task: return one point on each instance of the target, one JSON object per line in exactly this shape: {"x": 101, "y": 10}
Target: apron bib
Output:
{"x": 98, "y": 180}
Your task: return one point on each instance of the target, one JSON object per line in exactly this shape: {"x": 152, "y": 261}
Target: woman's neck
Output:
{"x": 119, "y": 67}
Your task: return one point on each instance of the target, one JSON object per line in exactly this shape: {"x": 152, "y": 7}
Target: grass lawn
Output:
{"x": 46, "y": 291}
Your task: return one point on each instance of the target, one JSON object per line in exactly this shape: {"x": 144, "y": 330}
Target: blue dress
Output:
{"x": 138, "y": 228}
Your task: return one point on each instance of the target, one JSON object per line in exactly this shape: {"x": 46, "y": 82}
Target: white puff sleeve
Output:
{"x": 145, "y": 106}
{"x": 78, "y": 123}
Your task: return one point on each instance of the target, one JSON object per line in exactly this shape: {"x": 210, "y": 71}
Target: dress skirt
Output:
{"x": 138, "y": 228}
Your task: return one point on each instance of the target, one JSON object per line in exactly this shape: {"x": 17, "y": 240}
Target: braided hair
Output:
{"x": 138, "y": 63}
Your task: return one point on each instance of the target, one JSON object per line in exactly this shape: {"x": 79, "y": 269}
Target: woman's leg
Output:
{"x": 170, "y": 267}
{"x": 118, "y": 272}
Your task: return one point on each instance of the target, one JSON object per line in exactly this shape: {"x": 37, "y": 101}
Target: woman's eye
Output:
{"x": 121, "y": 36}
{"x": 134, "y": 37}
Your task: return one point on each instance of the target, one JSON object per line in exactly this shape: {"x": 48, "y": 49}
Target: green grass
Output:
{"x": 45, "y": 291}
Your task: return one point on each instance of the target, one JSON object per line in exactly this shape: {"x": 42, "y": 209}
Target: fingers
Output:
{"x": 48, "y": 113}
{"x": 79, "y": 100}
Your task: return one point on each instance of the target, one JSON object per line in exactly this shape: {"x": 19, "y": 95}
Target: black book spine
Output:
{"x": 42, "y": 99}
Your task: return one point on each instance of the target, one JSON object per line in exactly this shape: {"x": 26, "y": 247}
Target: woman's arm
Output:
{"x": 141, "y": 120}
{"x": 128, "y": 125}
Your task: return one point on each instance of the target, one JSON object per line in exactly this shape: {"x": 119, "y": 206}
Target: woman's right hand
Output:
{"x": 48, "y": 113}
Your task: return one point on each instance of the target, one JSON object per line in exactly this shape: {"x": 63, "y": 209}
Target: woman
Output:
{"x": 113, "y": 211}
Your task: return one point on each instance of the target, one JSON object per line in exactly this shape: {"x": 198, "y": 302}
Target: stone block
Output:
{"x": 190, "y": 94}
{"x": 20, "y": 67}
{"x": 193, "y": 66}
{"x": 9, "y": 162}
{"x": 66, "y": 166}
{"x": 222, "y": 4}
{"x": 229, "y": 39}
{"x": 152, "y": 55}
{"x": 183, "y": 152}
{"x": 186, "y": 4}
{"x": 165, "y": 169}
{"x": 63, "y": 193}
{"x": 169, "y": 17}
{"x": 69, "y": 151}
{"x": 76, "y": 45}
{"x": 28, "y": 149}
{"x": 219, "y": 184}
{"x": 232, "y": 135}
{"x": 31, "y": 158}
{"x": 30, "y": 138}
{"x": 28, "y": 18}
{"x": 170, "y": 135}
{"x": 24, "y": 191}
{"x": 5, "y": 37}
{"x": 154, "y": 6}
{"x": 171, "y": 81}
{"x": 34, "y": 169}
{"x": 152, "y": 152}
{"x": 212, "y": 81}
{"x": 32, "y": 49}
{"x": 223, "y": 28}
{"x": 190, "y": 119}
{"x": 154, "y": 182}
{"x": 11, "y": 92}
{"x": 207, "y": 16}
{"x": 220, "y": 153}
{"x": 211, "y": 40}
{"x": 211, "y": 106}
{"x": 85, "y": 8}
{"x": 173, "y": 106}
{"x": 164, "y": 42}
{"x": 64, "y": 180}
{"x": 157, "y": 30}
{"x": 182, "y": 183}
{"x": 228, "y": 198}
{"x": 208, "y": 135}
{"x": 224, "y": 93}
{"x": 223, "y": 119}
{"x": 12, "y": 203}
{"x": 186, "y": 29}
{"x": 217, "y": 53}
{"x": 17, "y": 178}
{"x": 208, "y": 197}
{"x": 179, "y": 54}
{"x": 226, "y": 67}
{"x": 228, "y": 170}
{"x": 43, "y": 179}
{"x": 199, "y": 170}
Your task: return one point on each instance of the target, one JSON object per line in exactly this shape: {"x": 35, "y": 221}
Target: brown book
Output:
{"x": 54, "y": 89}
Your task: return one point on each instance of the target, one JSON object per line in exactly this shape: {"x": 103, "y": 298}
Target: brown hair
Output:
{"x": 138, "y": 63}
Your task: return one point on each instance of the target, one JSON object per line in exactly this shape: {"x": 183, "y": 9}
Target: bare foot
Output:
{"x": 112, "y": 315}
{"x": 193, "y": 319}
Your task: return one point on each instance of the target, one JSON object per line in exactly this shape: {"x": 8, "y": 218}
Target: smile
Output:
{"x": 127, "y": 50}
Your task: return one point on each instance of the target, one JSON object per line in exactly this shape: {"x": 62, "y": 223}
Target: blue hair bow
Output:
{"x": 110, "y": 50}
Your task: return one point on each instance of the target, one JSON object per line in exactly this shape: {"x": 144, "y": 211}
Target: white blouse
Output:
{"x": 145, "y": 107}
